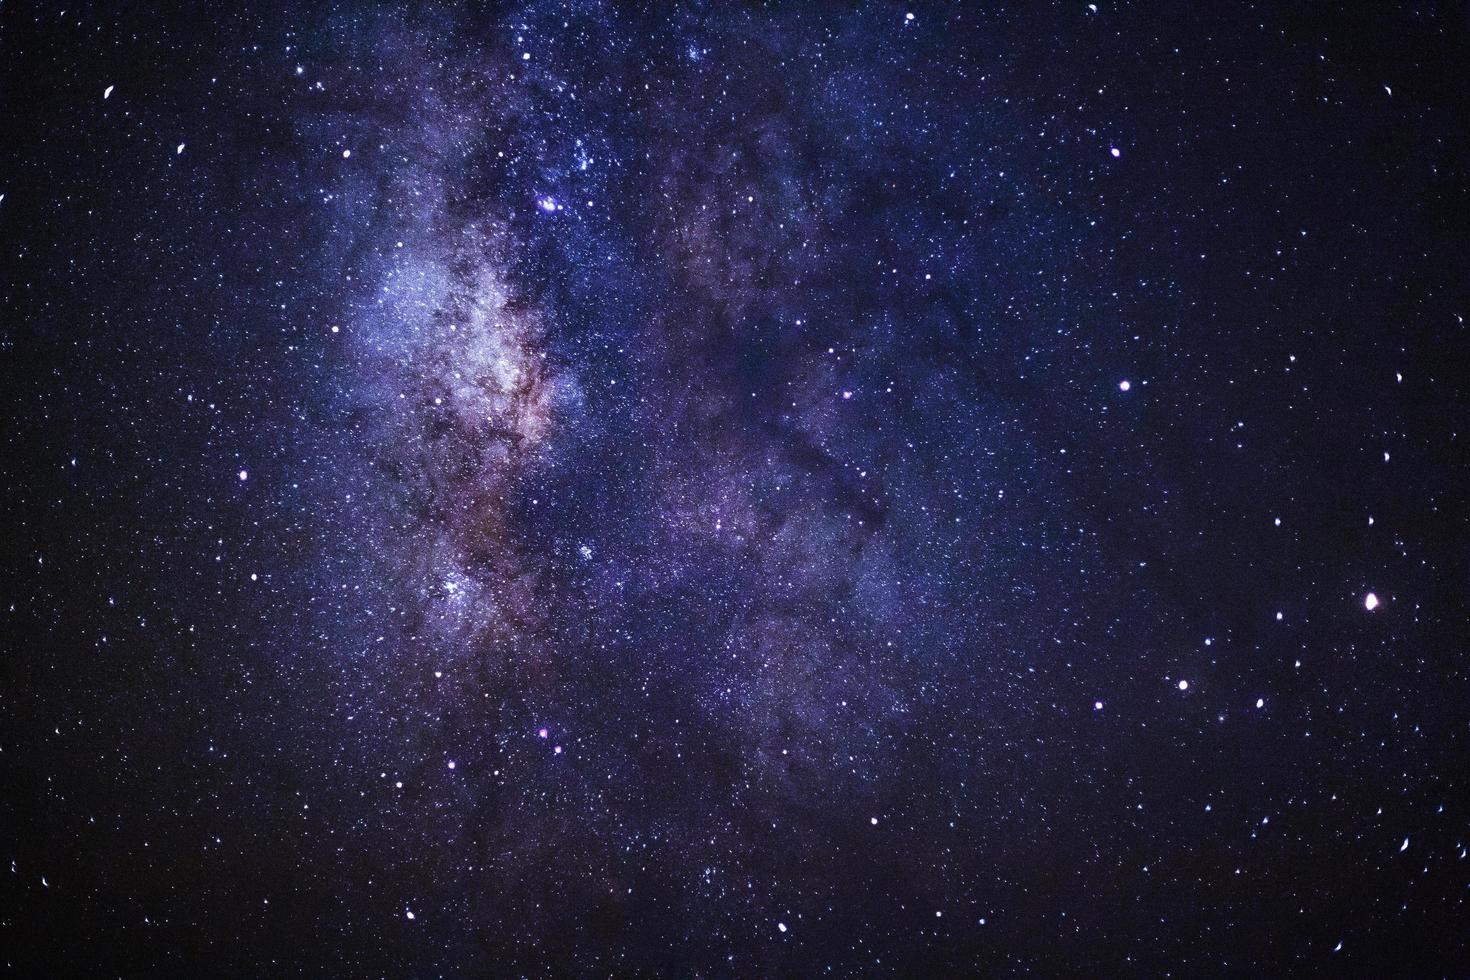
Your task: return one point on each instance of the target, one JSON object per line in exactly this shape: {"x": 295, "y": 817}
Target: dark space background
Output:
{"x": 575, "y": 489}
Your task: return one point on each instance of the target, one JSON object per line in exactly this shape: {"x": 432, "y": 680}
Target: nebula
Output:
{"x": 562, "y": 489}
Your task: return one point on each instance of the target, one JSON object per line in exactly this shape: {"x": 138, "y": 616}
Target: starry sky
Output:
{"x": 734, "y": 489}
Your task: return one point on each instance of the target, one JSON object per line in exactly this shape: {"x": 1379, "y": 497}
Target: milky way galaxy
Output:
{"x": 784, "y": 489}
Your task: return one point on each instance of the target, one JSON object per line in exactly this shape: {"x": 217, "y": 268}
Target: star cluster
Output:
{"x": 566, "y": 489}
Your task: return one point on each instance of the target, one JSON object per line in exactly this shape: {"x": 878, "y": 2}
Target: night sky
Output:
{"x": 787, "y": 489}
